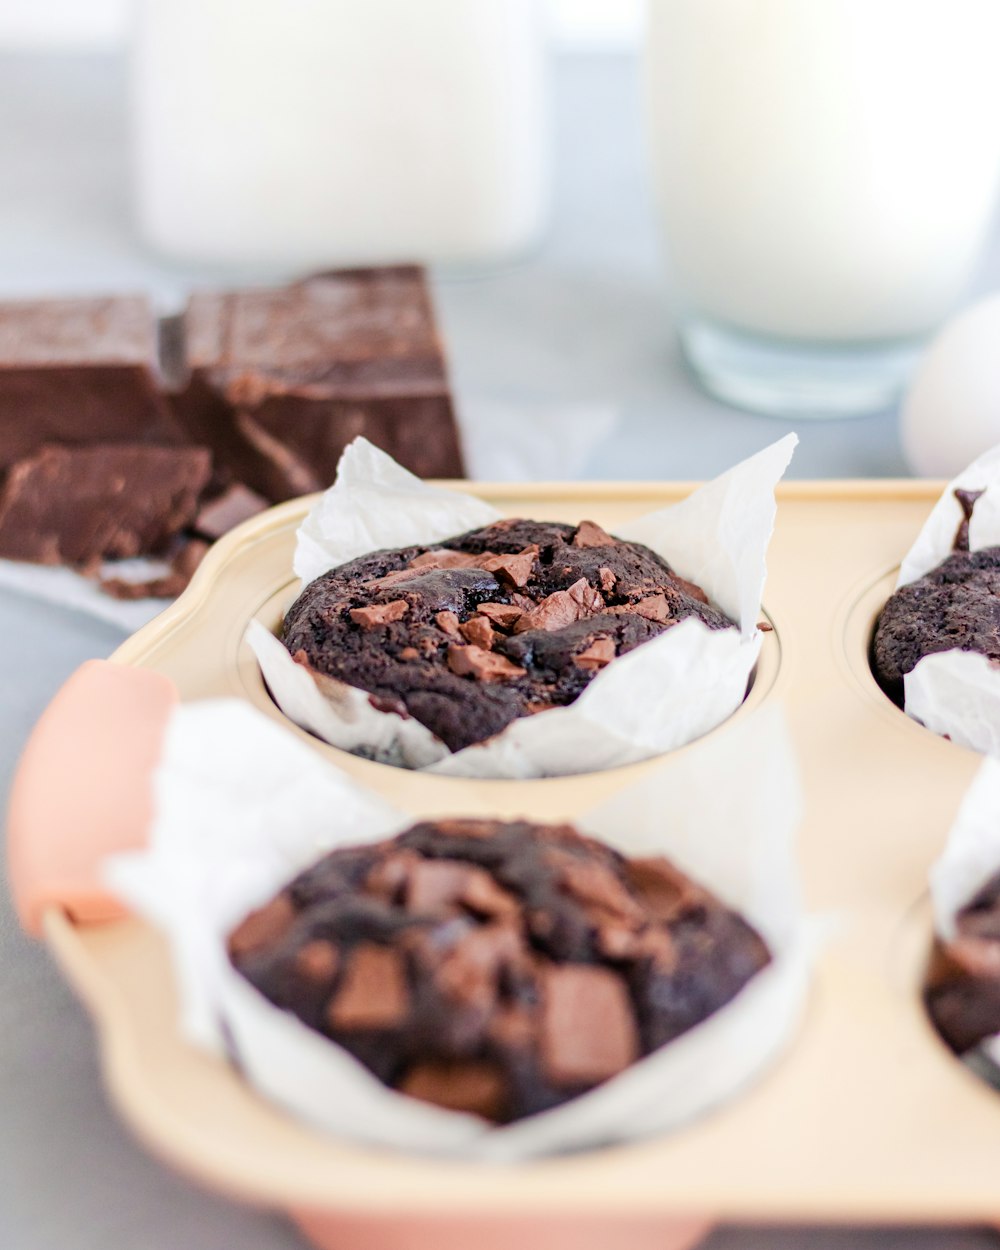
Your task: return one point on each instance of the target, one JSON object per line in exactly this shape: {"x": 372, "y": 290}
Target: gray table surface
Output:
{"x": 586, "y": 320}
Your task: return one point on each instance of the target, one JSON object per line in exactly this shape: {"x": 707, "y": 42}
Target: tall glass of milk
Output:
{"x": 311, "y": 132}
{"x": 826, "y": 172}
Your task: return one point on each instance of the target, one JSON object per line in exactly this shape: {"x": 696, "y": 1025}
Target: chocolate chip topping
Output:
{"x": 505, "y": 621}
{"x": 477, "y": 630}
{"x": 589, "y": 534}
{"x": 459, "y": 1085}
{"x": 495, "y": 968}
{"x": 373, "y": 992}
{"x": 379, "y": 613}
{"x": 515, "y": 569}
{"x": 600, "y": 652}
{"x": 472, "y": 661}
{"x": 588, "y": 1031}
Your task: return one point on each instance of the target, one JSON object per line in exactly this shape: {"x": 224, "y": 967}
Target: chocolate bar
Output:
{"x": 81, "y": 505}
{"x": 117, "y": 434}
{"x": 80, "y": 372}
{"x": 281, "y": 380}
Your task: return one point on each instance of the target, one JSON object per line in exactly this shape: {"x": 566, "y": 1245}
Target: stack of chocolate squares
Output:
{"x": 122, "y": 435}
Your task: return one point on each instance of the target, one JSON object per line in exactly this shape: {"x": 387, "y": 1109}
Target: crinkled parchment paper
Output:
{"x": 242, "y": 806}
{"x": 957, "y": 693}
{"x": 662, "y": 695}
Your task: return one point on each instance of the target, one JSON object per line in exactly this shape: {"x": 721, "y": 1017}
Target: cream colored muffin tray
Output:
{"x": 866, "y": 1118}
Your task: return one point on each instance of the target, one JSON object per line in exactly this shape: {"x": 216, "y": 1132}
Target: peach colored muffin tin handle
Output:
{"x": 83, "y": 789}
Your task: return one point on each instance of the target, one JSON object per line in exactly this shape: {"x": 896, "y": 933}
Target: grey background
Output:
{"x": 585, "y": 320}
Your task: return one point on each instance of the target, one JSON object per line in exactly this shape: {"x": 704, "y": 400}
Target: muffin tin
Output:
{"x": 866, "y": 1118}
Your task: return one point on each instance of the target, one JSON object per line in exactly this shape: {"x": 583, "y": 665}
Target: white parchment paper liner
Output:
{"x": 970, "y": 858}
{"x": 660, "y": 696}
{"x": 957, "y": 693}
{"x": 242, "y": 806}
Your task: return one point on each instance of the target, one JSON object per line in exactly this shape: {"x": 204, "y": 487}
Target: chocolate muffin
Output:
{"x": 505, "y": 621}
{"x": 963, "y": 984}
{"x": 954, "y": 607}
{"x": 496, "y": 968}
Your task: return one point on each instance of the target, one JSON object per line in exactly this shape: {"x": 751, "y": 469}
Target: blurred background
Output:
{"x": 562, "y": 329}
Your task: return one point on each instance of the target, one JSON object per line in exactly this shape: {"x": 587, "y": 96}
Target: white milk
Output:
{"x": 826, "y": 169}
{"x": 331, "y": 131}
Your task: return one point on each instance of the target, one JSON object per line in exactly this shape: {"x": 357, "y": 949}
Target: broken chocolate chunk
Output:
{"x": 514, "y": 569}
{"x": 443, "y": 558}
{"x": 588, "y": 1031}
{"x": 589, "y": 534}
{"x": 472, "y": 661}
{"x": 373, "y": 992}
{"x": 282, "y": 379}
{"x": 448, "y": 622}
{"x": 599, "y": 653}
{"x": 562, "y": 608}
{"x": 477, "y": 630}
{"x": 236, "y": 504}
{"x": 379, "y": 613}
{"x": 502, "y": 615}
{"x": 80, "y": 372}
{"x": 476, "y": 1087}
{"x": 81, "y": 505}
{"x": 653, "y": 608}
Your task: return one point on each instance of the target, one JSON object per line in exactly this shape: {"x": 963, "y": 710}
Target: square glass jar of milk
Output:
{"x": 826, "y": 172}
{"x": 311, "y": 132}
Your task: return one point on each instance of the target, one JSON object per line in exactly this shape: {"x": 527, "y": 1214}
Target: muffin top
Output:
{"x": 496, "y": 968}
{"x": 963, "y": 986}
{"x": 954, "y": 607}
{"x": 504, "y": 621}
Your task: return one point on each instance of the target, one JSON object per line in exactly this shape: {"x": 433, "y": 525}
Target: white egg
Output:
{"x": 951, "y": 413}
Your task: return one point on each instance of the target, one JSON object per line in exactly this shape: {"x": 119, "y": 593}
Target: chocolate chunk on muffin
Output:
{"x": 501, "y": 622}
{"x": 496, "y": 968}
{"x": 963, "y": 983}
{"x": 954, "y": 607}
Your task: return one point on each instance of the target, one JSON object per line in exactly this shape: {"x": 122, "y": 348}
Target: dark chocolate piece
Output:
{"x": 282, "y": 380}
{"x": 218, "y": 516}
{"x": 79, "y": 372}
{"x": 496, "y": 968}
{"x": 498, "y": 623}
{"x": 81, "y": 505}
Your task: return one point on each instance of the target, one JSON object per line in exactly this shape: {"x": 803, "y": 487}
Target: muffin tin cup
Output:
{"x": 866, "y": 1118}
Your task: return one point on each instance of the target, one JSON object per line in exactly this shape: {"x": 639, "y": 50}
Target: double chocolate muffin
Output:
{"x": 496, "y": 968}
{"x": 505, "y": 621}
{"x": 963, "y": 983}
{"x": 954, "y": 607}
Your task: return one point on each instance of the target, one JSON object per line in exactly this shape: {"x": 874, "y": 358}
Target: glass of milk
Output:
{"x": 826, "y": 172}
{"x": 312, "y": 132}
